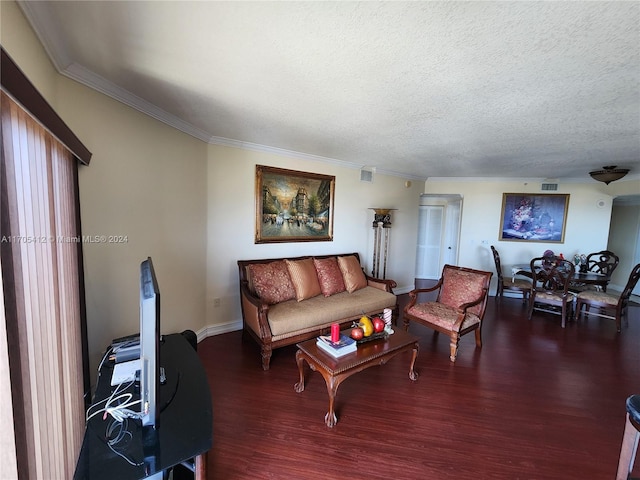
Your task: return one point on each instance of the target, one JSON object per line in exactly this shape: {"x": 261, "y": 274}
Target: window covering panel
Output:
{"x": 42, "y": 278}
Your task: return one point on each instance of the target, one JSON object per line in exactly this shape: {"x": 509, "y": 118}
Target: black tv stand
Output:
{"x": 184, "y": 433}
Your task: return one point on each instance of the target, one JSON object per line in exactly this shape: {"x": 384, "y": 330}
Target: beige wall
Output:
{"x": 23, "y": 46}
{"x": 146, "y": 185}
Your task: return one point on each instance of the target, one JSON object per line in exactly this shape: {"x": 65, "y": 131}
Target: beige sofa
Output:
{"x": 288, "y": 300}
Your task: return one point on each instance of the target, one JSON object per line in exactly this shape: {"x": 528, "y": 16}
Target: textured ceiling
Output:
{"x": 417, "y": 89}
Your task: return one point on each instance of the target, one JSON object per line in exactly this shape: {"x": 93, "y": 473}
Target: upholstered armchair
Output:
{"x": 458, "y": 309}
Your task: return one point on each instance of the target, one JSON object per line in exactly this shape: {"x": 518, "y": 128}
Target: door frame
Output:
{"x": 450, "y": 236}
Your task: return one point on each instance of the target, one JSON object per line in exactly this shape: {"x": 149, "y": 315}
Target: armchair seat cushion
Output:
{"x": 443, "y": 316}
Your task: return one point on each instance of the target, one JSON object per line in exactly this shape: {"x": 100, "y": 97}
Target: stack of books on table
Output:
{"x": 344, "y": 346}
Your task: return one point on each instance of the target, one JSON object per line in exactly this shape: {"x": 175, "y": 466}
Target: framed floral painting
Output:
{"x": 293, "y": 206}
{"x": 533, "y": 218}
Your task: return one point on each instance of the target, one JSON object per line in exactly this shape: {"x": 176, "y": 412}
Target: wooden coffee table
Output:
{"x": 336, "y": 370}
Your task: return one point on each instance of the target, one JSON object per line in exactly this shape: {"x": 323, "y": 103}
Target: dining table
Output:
{"x": 599, "y": 280}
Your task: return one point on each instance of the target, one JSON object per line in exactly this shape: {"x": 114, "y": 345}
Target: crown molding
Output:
{"x": 88, "y": 78}
{"x": 256, "y": 147}
{"x": 49, "y": 38}
{"x": 586, "y": 179}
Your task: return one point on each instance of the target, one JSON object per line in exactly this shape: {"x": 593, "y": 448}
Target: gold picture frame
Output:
{"x": 293, "y": 206}
{"x": 527, "y": 217}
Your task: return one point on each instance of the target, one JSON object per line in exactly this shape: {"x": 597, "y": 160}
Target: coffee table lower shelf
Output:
{"x": 336, "y": 370}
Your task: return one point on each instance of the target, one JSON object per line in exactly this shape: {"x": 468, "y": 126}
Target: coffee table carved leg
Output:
{"x": 299, "y": 387}
{"x": 332, "y": 389}
{"x": 413, "y": 375}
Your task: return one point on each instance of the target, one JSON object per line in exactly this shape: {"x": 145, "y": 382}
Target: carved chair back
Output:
{"x": 552, "y": 274}
{"x": 604, "y": 262}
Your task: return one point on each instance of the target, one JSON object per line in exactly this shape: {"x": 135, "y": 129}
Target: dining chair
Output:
{"x": 509, "y": 283}
{"x": 603, "y": 262}
{"x": 608, "y": 305}
{"x": 550, "y": 291}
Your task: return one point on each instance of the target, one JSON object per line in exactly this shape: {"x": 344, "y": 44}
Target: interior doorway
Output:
{"x": 438, "y": 234}
{"x": 624, "y": 238}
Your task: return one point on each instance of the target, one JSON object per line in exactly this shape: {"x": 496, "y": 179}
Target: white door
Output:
{"x": 438, "y": 232}
{"x": 430, "y": 227}
{"x": 451, "y": 234}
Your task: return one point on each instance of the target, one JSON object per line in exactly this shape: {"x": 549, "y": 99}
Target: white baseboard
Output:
{"x": 218, "y": 329}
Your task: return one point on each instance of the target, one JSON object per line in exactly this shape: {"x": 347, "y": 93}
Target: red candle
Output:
{"x": 335, "y": 332}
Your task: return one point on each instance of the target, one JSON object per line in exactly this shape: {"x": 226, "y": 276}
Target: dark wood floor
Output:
{"x": 536, "y": 402}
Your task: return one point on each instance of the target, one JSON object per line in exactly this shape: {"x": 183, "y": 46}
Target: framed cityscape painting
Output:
{"x": 293, "y": 206}
{"x": 533, "y": 218}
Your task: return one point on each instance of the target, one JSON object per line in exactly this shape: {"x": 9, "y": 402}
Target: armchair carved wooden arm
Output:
{"x": 459, "y": 307}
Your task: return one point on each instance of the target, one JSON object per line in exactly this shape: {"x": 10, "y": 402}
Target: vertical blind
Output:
{"x": 41, "y": 276}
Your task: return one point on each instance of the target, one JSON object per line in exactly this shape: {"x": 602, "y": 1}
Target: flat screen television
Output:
{"x": 149, "y": 345}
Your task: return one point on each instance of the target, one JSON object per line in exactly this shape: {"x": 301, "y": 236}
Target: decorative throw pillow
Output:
{"x": 304, "y": 278}
{"x": 271, "y": 281}
{"x": 329, "y": 276}
{"x": 352, "y": 273}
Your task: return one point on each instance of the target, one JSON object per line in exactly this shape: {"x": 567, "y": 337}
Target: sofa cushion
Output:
{"x": 460, "y": 287}
{"x": 352, "y": 273}
{"x": 304, "y": 278}
{"x": 329, "y": 276}
{"x": 271, "y": 281}
{"x": 292, "y": 318}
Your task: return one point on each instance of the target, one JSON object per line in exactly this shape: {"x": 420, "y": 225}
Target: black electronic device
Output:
{"x": 149, "y": 345}
{"x": 127, "y": 341}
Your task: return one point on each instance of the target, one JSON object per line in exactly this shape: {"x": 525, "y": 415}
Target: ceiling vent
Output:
{"x": 366, "y": 174}
{"x": 549, "y": 185}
